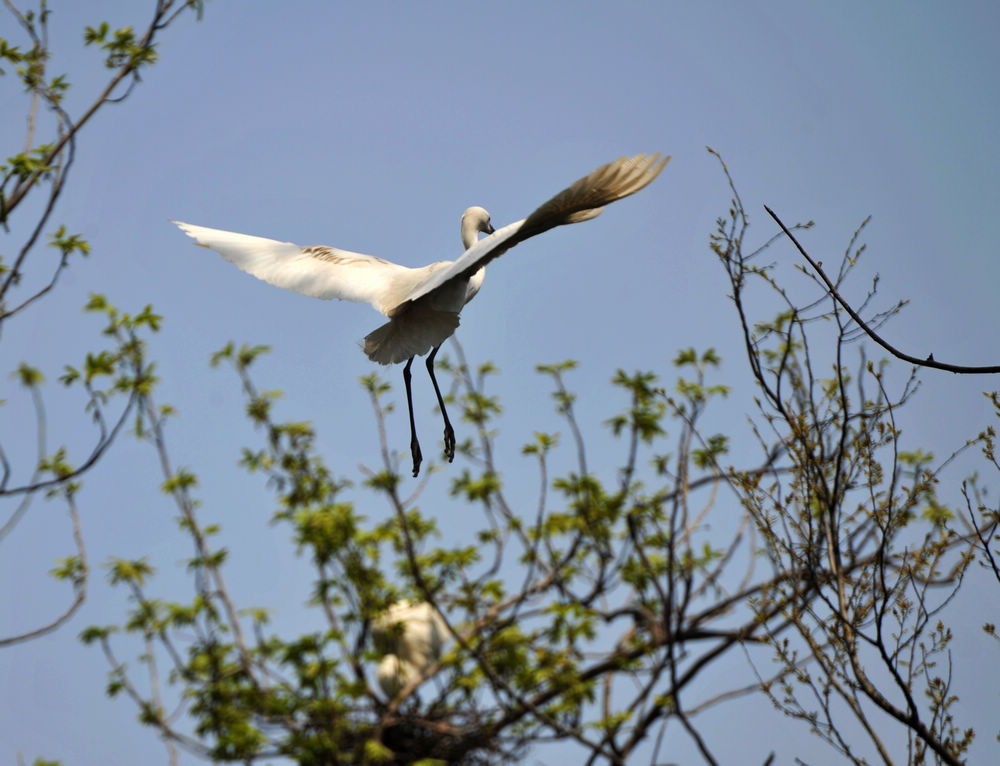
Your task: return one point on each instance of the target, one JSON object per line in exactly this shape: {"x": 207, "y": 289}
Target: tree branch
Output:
{"x": 928, "y": 362}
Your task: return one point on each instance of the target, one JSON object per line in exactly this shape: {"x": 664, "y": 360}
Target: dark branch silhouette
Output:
{"x": 929, "y": 361}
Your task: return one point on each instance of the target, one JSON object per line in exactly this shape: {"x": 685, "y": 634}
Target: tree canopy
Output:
{"x": 805, "y": 557}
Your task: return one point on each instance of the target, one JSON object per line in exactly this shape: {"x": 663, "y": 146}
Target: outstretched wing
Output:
{"x": 319, "y": 272}
{"x": 581, "y": 201}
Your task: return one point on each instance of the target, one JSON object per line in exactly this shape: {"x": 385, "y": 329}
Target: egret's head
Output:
{"x": 475, "y": 220}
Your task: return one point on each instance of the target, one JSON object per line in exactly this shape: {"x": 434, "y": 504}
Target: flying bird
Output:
{"x": 412, "y": 639}
{"x": 422, "y": 303}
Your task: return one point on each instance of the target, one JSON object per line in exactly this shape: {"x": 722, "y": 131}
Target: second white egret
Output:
{"x": 411, "y": 638}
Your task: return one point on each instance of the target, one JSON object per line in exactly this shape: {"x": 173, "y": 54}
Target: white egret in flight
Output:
{"x": 422, "y": 303}
{"x": 412, "y": 639}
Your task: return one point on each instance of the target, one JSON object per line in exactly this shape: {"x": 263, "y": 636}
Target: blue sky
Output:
{"x": 371, "y": 127}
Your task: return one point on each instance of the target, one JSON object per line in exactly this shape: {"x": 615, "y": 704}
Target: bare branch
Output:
{"x": 929, "y": 361}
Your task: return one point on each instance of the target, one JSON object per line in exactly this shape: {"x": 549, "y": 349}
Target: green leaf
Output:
{"x": 376, "y": 752}
{"x": 124, "y": 571}
{"x": 70, "y": 568}
{"x": 28, "y": 376}
{"x": 96, "y": 34}
{"x": 96, "y": 633}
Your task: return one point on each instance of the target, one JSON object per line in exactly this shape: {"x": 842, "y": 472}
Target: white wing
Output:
{"x": 319, "y": 272}
{"x": 580, "y": 201}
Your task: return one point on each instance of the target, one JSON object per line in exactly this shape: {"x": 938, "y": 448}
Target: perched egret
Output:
{"x": 423, "y": 303}
{"x": 412, "y": 639}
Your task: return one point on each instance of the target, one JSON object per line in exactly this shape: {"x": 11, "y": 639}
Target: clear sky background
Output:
{"x": 371, "y": 127}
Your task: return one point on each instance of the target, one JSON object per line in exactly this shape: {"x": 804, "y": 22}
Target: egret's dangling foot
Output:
{"x": 449, "y": 432}
{"x": 414, "y": 444}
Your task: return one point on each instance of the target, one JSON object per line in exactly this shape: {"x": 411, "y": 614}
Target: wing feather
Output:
{"x": 581, "y": 201}
{"x": 586, "y": 198}
{"x": 319, "y": 272}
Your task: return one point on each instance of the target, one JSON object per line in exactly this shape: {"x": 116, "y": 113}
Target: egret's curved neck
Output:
{"x": 470, "y": 232}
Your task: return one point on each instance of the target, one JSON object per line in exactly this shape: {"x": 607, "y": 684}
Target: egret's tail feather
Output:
{"x": 412, "y": 334}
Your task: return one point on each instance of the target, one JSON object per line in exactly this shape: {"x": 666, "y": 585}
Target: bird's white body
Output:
{"x": 393, "y": 674}
{"x": 423, "y": 304}
{"x": 412, "y": 639}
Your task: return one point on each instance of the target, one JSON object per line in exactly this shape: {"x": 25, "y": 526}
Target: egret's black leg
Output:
{"x": 414, "y": 444}
{"x": 449, "y": 432}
